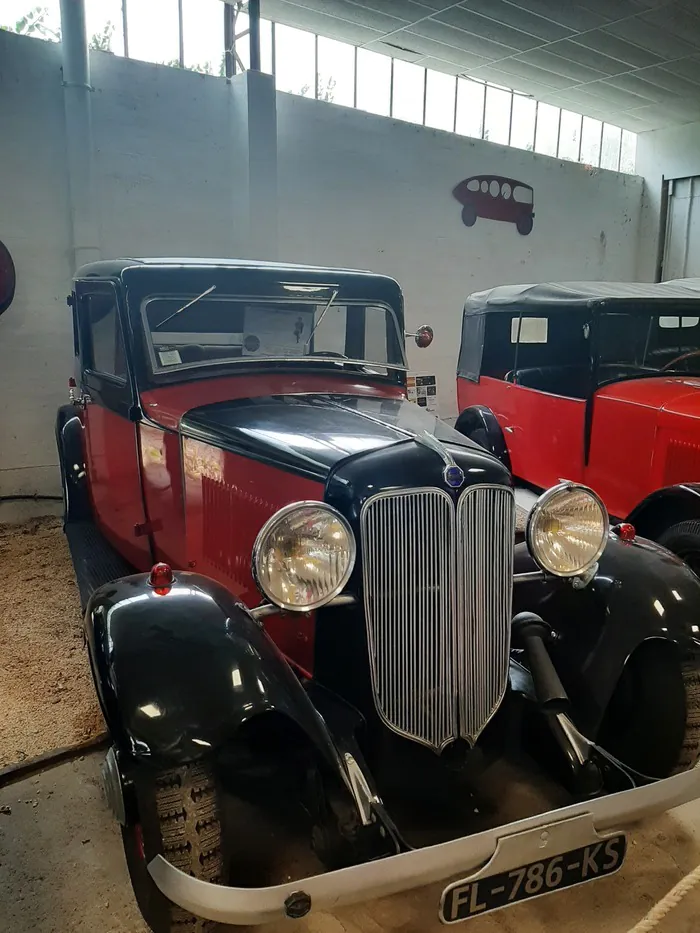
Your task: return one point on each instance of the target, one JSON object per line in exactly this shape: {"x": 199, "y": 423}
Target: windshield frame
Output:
{"x": 203, "y": 366}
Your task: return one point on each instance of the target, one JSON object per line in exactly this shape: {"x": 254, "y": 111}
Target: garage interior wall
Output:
{"x": 668, "y": 154}
{"x": 186, "y": 164}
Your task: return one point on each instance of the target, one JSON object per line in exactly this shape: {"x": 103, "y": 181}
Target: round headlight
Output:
{"x": 567, "y": 529}
{"x": 303, "y": 556}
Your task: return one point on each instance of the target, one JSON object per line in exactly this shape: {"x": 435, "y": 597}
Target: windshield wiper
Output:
{"x": 323, "y": 314}
{"x": 188, "y": 305}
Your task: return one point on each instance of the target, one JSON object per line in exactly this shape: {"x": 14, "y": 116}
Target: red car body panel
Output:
{"x": 163, "y": 491}
{"x": 168, "y": 404}
{"x": 645, "y": 434}
{"x": 227, "y": 504}
{"x": 543, "y": 433}
{"x": 114, "y": 482}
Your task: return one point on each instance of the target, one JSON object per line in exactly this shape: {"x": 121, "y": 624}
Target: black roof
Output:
{"x": 566, "y": 295}
{"x": 113, "y": 268}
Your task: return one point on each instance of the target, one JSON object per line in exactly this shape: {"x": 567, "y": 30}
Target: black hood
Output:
{"x": 311, "y": 434}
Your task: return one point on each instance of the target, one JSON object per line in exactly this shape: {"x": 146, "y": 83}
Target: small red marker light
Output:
{"x": 72, "y": 383}
{"x": 625, "y": 531}
{"x": 161, "y": 578}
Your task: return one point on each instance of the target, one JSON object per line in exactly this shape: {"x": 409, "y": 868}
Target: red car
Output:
{"x": 597, "y": 383}
{"x": 309, "y": 622}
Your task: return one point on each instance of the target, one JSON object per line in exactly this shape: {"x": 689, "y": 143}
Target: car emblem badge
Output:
{"x": 453, "y": 476}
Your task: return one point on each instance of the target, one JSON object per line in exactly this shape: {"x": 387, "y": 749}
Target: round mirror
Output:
{"x": 424, "y": 336}
{"x": 7, "y": 278}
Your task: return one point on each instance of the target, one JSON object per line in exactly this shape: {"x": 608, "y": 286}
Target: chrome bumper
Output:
{"x": 495, "y": 850}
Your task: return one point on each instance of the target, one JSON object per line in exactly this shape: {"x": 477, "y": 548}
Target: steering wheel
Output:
{"x": 341, "y": 356}
{"x": 679, "y": 359}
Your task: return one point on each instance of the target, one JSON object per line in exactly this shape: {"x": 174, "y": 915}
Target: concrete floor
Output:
{"x": 62, "y": 871}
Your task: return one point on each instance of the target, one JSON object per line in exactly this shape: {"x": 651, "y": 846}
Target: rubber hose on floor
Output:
{"x": 667, "y": 903}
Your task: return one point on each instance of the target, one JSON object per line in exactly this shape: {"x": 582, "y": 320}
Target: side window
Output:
{"x": 471, "y": 347}
{"x": 105, "y": 353}
{"x": 498, "y": 358}
{"x": 553, "y": 353}
{"x": 529, "y": 330}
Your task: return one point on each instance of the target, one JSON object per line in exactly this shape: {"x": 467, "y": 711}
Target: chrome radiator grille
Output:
{"x": 437, "y": 589}
{"x": 486, "y": 531}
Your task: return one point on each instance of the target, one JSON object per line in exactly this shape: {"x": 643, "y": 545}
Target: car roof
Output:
{"x": 555, "y": 296}
{"x": 111, "y": 268}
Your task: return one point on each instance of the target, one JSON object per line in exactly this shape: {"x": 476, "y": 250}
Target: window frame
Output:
{"x": 83, "y": 289}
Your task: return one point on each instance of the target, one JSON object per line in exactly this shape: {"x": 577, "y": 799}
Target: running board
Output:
{"x": 94, "y": 559}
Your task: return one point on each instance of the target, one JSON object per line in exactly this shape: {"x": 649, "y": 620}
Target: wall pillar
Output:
{"x": 254, "y": 143}
{"x": 79, "y": 144}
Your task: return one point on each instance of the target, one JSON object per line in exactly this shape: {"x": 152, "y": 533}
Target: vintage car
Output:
{"x": 597, "y": 383}
{"x": 313, "y": 629}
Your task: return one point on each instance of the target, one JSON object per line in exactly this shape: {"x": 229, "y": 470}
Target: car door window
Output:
{"x": 105, "y": 344}
{"x": 553, "y": 353}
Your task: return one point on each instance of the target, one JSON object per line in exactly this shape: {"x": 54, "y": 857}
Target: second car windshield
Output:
{"x": 198, "y": 330}
{"x": 644, "y": 344}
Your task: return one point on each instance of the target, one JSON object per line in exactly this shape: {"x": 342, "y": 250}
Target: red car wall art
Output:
{"x": 496, "y": 198}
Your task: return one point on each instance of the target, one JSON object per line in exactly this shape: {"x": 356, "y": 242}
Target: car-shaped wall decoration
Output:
{"x": 598, "y": 382}
{"x": 308, "y": 613}
{"x": 496, "y": 198}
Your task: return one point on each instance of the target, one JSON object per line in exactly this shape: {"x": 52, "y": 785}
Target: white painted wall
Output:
{"x": 176, "y": 173}
{"x": 165, "y": 169}
{"x": 361, "y": 190}
{"x": 668, "y": 153}
{"x": 35, "y": 342}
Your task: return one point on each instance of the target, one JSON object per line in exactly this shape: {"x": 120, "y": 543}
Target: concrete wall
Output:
{"x": 369, "y": 192}
{"x": 177, "y": 172}
{"x": 165, "y": 173}
{"x": 35, "y": 343}
{"x": 669, "y": 153}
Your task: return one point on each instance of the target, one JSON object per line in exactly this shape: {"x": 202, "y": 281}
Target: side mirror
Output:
{"x": 7, "y": 278}
{"x": 423, "y": 336}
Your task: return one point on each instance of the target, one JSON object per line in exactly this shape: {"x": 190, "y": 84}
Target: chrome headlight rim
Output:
{"x": 538, "y": 508}
{"x": 280, "y": 515}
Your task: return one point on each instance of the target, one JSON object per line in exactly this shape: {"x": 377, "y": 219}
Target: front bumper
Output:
{"x": 494, "y": 850}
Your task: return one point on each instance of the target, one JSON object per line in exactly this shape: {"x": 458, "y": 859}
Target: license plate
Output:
{"x": 464, "y": 899}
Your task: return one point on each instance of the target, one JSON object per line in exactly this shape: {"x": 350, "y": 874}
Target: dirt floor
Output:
{"x": 46, "y": 690}
{"x": 62, "y": 871}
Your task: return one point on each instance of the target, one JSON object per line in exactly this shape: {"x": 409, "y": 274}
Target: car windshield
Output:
{"x": 647, "y": 344}
{"x": 185, "y": 331}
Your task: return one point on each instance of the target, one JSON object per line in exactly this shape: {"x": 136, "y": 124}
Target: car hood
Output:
{"x": 674, "y": 395}
{"x": 310, "y": 434}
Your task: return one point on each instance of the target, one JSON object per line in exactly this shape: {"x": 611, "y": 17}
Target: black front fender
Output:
{"x": 71, "y": 462}
{"x": 640, "y": 592}
{"x": 178, "y": 674}
{"x": 666, "y": 507}
{"x": 479, "y": 424}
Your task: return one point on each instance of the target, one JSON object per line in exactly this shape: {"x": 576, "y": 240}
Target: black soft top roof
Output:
{"x": 566, "y": 295}
{"x": 113, "y": 268}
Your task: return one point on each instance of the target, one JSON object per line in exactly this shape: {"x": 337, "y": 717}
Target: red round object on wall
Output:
{"x": 7, "y": 278}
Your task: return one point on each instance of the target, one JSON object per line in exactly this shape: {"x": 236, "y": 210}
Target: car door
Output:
{"x": 544, "y": 405}
{"x": 111, "y": 440}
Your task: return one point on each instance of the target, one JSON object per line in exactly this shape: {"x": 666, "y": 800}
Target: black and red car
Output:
{"x": 309, "y": 616}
